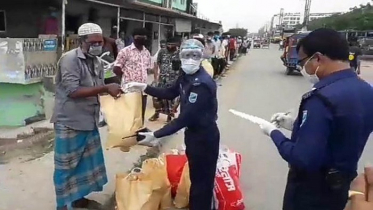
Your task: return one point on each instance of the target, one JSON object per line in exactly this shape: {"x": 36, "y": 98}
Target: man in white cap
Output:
{"x": 79, "y": 161}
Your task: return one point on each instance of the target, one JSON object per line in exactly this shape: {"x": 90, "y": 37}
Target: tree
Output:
{"x": 358, "y": 18}
{"x": 238, "y": 32}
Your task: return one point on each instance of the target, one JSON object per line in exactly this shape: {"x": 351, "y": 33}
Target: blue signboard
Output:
{"x": 50, "y": 45}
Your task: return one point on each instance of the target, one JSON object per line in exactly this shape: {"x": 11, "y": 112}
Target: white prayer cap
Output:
{"x": 89, "y": 28}
{"x": 198, "y": 36}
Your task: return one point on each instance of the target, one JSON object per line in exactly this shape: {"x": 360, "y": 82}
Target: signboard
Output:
{"x": 50, "y": 45}
{"x": 25, "y": 61}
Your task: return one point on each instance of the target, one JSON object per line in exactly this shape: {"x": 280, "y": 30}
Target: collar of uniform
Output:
{"x": 335, "y": 77}
{"x": 80, "y": 53}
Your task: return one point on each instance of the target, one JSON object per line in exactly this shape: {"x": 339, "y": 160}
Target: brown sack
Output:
{"x": 139, "y": 191}
{"x": 183, "y": 190}
{"x": 155, "y": 168}
{"x": 132, "y": 191}
{"x": 123, "y": 117}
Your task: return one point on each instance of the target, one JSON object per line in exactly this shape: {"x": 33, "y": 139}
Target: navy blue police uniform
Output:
{"x": 333, "y": 125}
{"x": 198, "y": 115}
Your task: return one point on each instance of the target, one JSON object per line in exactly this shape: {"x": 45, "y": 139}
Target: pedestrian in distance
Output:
{"x": 198, "y": 115}
{"x": 330, "y": 132}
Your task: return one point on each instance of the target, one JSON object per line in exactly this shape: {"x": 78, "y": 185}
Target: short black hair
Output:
{"x": 217, "y": 32}
{"x": 140, "y": 32}
{"x": 173, "y": 40}
{"x": 327, "y": 42}
{"x": 196, "y": 31}
{"x": 210, "y": 33}
{"x": 163, "y": 42}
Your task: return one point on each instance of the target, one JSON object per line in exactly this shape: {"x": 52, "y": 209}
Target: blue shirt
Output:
{"x": 198, "y": 102}
{"x": 323, "y": 138}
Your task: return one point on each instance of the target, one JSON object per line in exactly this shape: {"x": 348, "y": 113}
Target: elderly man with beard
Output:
{"x": 78, "y": 159}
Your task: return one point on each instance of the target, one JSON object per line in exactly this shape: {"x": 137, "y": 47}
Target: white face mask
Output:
{"x": 312, "y": 78}
{"x": 190, "y": 66}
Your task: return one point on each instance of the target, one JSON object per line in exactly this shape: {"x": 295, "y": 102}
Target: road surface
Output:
{"x": 258, "y": 85}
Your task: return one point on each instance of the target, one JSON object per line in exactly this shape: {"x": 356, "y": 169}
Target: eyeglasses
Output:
{"x": 302, "y": 62}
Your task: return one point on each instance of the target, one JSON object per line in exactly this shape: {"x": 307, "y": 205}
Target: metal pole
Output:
{"x": 159, "y": 31}
{"x": 143, "y": 23}
{"x": 118, "y": 22}
{"x": 63, "y": 27}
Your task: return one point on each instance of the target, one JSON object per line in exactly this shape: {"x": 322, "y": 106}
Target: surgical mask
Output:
{"x": 95, "y": 50}
{"x": 190, "y": 66}
{"x": 312, "y": 78}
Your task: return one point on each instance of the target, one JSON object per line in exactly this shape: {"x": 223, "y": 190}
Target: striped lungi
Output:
{"x": 79, "y": 164}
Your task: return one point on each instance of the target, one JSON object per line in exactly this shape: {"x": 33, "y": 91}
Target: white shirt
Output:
{"x": 222, "y": 49}
{"x": 217, "y": 44}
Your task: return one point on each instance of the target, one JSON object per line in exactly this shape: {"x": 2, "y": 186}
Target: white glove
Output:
{"x": 267, "y": 127}
{"x": 149, "y": 140}
{"x": 136, "y": 85}
{"x": 283, "y": 120}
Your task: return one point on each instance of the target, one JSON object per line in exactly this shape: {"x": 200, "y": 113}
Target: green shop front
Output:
{"x": 24, "y": 62}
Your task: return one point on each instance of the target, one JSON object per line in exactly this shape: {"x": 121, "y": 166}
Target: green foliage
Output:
{"x": 357, "y": 19}
{"x": 238, "y": 32}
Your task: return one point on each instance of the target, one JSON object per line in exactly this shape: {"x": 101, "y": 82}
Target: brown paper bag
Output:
{"x": 156, "y": 169}
{"x": 123, "y": 117}
{"x": 183, "y": 190}
{"x": 132, "y": 191}
{"x": 138, "y": 191}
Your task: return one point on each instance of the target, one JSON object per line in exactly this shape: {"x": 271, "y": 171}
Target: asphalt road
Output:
{"x": 257, "y": 85}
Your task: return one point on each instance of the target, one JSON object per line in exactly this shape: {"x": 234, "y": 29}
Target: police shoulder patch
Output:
{"x": 193, "y": 97}
{"x": 304, "y": 117}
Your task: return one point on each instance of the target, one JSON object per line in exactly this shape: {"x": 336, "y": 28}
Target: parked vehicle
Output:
{"x": 256, "y": 44}
{"x": 291, "y": 55}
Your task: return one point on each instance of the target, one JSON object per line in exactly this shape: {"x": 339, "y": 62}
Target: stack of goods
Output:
{"x": 161, "y": 179}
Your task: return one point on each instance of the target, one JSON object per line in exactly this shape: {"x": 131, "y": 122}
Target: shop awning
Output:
{"x": 153, "y": 9}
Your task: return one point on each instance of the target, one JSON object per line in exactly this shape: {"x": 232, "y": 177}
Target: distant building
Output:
{"x": 293, "y": 19}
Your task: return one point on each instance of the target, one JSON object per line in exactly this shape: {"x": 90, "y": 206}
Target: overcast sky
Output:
{"x": 253, "y": 14}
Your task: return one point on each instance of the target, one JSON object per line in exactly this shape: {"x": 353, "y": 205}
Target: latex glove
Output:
{"x": 149, "y": 140}
{"x": 283, "y": 120}
{"x": 267, "y": 127}
{"x": 136, "y": 85}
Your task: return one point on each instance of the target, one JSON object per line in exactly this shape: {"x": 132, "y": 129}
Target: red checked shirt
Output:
{"x": 134, "y": 64}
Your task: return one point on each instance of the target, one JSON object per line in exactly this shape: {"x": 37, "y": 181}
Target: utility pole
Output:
{"x": 281, "y": 18}
{"x": 306, "y": 20}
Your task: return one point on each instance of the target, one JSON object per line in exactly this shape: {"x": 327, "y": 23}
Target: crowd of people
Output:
{"x": 329, "y": 134}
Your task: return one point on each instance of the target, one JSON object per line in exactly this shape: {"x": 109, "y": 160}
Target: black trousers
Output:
{"x": 219, "y": 65}
{"x": 202, "y": 150}
{"x": 305, "y": 191}
{"x": 232, "y": 54}
{"x": 144, "y": 103}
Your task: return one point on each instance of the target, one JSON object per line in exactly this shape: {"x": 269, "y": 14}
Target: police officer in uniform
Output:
{"x": 334, "y": 122}
{"x": 198, "y": 115}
